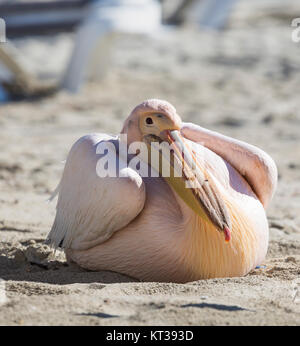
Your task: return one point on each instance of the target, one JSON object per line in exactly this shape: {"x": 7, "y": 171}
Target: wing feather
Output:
{"x": 89, "y": 208}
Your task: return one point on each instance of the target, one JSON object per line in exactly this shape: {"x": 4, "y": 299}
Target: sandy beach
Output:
{"x": 242, "y": 82}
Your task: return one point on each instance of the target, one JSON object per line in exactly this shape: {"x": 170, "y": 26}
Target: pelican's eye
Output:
{"x": 149, "y": 121}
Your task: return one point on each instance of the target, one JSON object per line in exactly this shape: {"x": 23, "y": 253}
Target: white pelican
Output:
{"x": 154, "y": 228}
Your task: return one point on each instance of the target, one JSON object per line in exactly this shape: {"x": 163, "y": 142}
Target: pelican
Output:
{"x": 159, "y": 228}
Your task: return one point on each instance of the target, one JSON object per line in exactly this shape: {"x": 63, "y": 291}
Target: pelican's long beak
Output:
{"x": 193, "y": 183}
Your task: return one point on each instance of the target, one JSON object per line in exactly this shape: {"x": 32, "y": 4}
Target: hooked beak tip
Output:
{"x": 227, "y": 233}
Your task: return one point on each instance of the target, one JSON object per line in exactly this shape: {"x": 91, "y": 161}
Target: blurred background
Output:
{"x": 73, "y": 67}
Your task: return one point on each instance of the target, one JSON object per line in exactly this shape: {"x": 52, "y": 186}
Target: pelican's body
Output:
{"x": 145, "y": 228}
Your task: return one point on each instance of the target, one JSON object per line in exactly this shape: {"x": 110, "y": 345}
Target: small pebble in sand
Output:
{"x": 290, "y": 259}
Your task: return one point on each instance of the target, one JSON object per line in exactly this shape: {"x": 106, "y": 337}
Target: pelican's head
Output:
{"x": 151, "y": 117}
{"x": 156, "y": 121}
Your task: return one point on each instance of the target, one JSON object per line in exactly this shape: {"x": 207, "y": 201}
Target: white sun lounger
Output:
{"x": 96, "y": 34}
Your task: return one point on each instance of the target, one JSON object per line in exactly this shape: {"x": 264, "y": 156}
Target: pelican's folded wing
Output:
{"x": 255, "y": 165}
{"x": 90, "y": 208}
